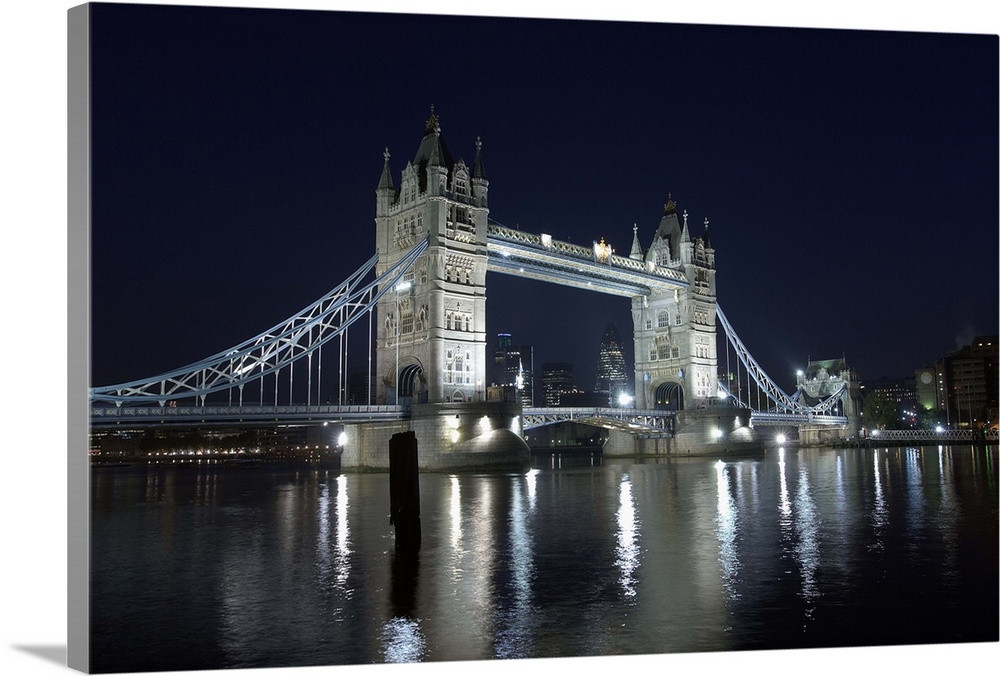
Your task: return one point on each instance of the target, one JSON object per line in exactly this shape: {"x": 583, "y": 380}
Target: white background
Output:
{"x": 33, "y": 256}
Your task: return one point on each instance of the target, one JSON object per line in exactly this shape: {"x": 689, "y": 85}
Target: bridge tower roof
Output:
{"x": 433, "y": 151}
{"x": 670, "y": 228}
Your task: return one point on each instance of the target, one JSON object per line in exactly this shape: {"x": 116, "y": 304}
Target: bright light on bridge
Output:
{"x": 624, "y": 400}
{"x": 780, "y": 439}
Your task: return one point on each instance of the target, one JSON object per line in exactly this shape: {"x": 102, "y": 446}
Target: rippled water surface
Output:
{"x": 212, "y": 567}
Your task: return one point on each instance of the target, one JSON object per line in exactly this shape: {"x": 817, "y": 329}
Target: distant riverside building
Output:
{"x": 963, "y": 384}
{"x": 612, "y": 378}
{"x": 557, "y": 380}
{"x": 513, "y": 367}
{"x": 902, "y": 391}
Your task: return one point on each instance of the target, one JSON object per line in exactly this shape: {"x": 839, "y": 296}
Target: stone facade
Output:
{"x": 434, "y": 322}
{"x": 674, "y": 331}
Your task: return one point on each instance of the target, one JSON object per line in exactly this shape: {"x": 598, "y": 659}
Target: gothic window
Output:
{"x": 675, "y": 352}
{"x": 652, "y": 353}
{"x": 662, "y": 319}
{"x": 468, "y": 323}
{"x": 423, "y": 274}
{"x": 649, "y": 323}
{"x": 677, "y": 318}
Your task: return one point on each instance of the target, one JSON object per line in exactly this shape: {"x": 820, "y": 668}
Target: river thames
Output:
{"x": 211, "y": 566}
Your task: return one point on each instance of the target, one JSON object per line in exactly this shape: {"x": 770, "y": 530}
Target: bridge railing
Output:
{"x": 772, "y": 418}
{"x": 932, "y": 435}
{"x": 332, "y": 413}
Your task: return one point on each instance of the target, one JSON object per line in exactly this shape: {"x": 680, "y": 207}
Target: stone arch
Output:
{"x": 669, "y": 396}
{"x": 412, "y": 384}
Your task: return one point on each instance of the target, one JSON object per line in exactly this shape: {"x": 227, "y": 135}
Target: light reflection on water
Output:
{"x": 628, "y": 549}
{"x": 402, "y": 640}
{"x": 256, "y": 569}
{"x": 807, "y": 551}
{"x": 726, "y": 532}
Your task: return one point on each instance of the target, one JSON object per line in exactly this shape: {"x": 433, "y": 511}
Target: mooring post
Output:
{"x": 404, "y": 491}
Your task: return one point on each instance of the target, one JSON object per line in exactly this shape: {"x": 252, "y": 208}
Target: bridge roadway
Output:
{"x": 642, "y": 422}
{"x": 148, "y": 416}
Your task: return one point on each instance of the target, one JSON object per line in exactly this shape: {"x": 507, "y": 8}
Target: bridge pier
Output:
{"x": 822, "y": 435}
{"x": 711, "y": 431}
{"x": 452, "y": 437}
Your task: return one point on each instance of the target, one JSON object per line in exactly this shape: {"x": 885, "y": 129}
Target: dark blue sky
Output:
{"x": 850, "y": 177}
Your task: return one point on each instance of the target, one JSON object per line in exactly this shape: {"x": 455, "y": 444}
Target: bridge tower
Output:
{"x": 675, "y": 348}
{"x": 431, "y": 336}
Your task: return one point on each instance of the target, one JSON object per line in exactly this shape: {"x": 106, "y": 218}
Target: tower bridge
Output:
{"x": 420, "y": 305}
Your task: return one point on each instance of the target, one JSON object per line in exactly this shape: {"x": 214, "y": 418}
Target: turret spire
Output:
{"x": 478, "y": 170}
{"x": 636, "y": 251}
{"x": 385, "y": 181}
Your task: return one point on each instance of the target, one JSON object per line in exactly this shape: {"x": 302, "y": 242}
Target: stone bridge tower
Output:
{"x": 675, "y": 346}
{"x": 431, "y": 337}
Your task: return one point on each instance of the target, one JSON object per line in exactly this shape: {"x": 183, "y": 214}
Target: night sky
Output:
{"x": 850, "y": 177}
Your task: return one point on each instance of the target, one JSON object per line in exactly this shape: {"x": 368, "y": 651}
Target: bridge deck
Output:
{"x": 105, "y": 416}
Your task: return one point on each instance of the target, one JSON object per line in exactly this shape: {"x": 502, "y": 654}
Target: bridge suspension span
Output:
{"x": 776, "y": 406}
{"x": 298, "y": 338}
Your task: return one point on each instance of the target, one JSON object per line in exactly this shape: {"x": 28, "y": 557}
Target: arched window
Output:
{"x": 662, "y": 319}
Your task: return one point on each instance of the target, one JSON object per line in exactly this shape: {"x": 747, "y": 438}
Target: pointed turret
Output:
{"x": 706, "y": 238}
{"x": 478, "y": 170}
{"x": 480, "y": 185}
{"x": 636, "y": 252}
{"x": 385, "y": 194}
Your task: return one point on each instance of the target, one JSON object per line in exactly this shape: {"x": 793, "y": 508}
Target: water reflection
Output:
{"x": 807, "y": 549}
{"x": 402, "y": 640}
{"x": 784, "y": 504}
{"x": 260, "y": 569}
{"x": 627, "y": 552}
{"x": 948, "y": 509}
{"x": 880, "y": 513}
{"x": 455, "y": 510}
{"x": 725, "y": 520}
{"x": 515, "y": 635}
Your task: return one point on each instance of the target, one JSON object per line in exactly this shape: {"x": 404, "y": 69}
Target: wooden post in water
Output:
{"x": 404, "y": 491}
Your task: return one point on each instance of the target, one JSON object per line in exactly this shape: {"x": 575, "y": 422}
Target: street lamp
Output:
{"x": 400, "y": 286}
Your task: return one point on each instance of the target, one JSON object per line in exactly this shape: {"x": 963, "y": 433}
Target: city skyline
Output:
{"x": 244, "y": 168}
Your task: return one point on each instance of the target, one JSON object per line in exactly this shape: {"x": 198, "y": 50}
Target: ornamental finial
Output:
{"x": 386, "y": 154}
{"x": 433, "y": 123}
